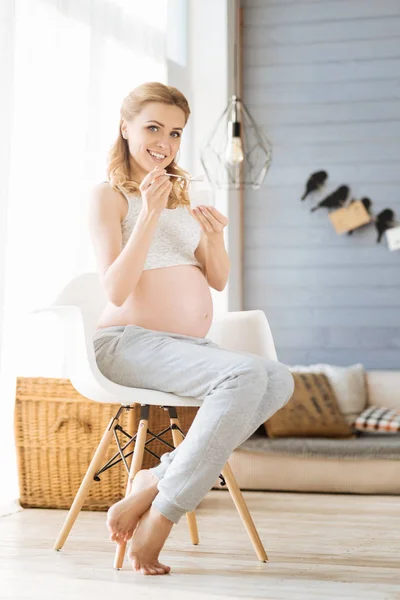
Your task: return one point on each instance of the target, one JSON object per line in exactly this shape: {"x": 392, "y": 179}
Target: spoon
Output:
{"x": 190, "y": 179}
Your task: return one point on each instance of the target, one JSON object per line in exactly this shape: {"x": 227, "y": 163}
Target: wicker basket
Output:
{"x": 57, "y": 431}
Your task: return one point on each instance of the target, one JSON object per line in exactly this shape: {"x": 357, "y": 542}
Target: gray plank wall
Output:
{"x": 322, "y": 78}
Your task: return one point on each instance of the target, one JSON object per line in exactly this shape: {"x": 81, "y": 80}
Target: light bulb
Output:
{"x": 234, "y": 150}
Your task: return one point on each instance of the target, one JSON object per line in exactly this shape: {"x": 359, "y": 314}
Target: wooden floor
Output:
{"x": 319, "y": 546}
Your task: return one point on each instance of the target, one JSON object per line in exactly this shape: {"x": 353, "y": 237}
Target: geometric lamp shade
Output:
{"x": 237, "y": 154}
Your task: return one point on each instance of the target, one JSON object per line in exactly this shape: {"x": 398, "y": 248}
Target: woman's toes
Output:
{"x": 118, "y": 538}
{"x": 128, "y": 536}
{"x": 153, "y": 569}
{"x": 114, "y": 533}
{"x": 164, "y": 568}
{"x": 159, "y": 570}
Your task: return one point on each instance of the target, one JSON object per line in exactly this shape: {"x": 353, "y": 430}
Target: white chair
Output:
{"x": 79, "y": 306}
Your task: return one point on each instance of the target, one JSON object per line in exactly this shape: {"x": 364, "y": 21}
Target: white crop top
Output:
{"x": 175, "y": 238}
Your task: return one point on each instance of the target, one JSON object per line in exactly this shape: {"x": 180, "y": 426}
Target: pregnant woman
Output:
{"x": 157, "y": 259}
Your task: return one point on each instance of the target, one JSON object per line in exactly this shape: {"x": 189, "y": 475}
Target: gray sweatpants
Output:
{"x": 240, "y": 391}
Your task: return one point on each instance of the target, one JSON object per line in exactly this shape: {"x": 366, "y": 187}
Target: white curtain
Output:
{"x": 66, "y": 66}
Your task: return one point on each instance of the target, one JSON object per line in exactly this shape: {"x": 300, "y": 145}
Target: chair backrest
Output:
{"x": 245, "y": 331}
{"x": 86, "y": 292}
{"x": 248, "y": 331}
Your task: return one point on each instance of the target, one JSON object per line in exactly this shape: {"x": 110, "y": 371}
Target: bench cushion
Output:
{"x": 386, "y": 447}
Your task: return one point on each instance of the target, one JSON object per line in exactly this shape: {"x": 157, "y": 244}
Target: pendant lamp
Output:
{"x": 237, "y": 154}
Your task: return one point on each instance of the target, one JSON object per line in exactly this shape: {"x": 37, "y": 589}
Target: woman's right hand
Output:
{"x": 155, "y": 189}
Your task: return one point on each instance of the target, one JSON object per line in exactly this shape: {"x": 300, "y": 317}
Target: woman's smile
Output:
{"x": 158, "y": 157}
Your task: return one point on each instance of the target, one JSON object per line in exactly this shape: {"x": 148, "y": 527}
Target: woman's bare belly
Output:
{"x": 173, "y": 299}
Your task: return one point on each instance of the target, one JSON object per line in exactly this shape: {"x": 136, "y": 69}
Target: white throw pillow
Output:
{"x": 348, "y": 383}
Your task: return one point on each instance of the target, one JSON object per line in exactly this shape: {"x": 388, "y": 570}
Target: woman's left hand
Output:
{"x": 211, "y": 220}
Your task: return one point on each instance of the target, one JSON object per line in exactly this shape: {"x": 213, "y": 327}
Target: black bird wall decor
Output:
{"x": 315, "y": 182}
{"x": 383, "y": 221}
{"x": 336, "y": 199}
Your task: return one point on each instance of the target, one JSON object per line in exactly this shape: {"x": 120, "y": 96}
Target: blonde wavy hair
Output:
{"x": 118, "y": 162}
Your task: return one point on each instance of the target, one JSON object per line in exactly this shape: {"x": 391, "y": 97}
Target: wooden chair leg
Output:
{"x": 178, "y": 438}
{"x": 136, "y": 465}
{"x": 86, "y": 482}
{"x": 244, "y": 513}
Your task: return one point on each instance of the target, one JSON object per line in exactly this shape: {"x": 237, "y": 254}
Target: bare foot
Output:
{"x": 149, "y": 538}
{"x": 123, "y": 516}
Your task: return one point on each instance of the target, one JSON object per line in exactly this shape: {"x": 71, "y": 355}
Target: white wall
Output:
{"x": 205, "y": 75}
{"x": 6, "y": 75}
